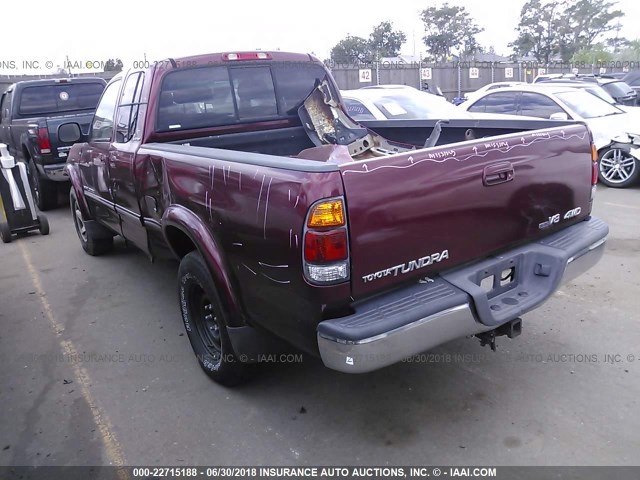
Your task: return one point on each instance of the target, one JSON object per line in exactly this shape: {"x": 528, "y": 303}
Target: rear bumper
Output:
{"x": 452, "y": 305}
{"x": 54, "y": 172}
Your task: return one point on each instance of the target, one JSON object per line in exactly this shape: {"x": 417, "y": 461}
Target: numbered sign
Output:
{"x": 542, "y": 71}
{"x": 508, "y": 72}
{"x": 365, "y": 75}
{"x": 426, "y": 74}
{"x": 474, "y": 72}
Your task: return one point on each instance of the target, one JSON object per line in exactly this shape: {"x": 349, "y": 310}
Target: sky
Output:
{"x": 134, "y": 30}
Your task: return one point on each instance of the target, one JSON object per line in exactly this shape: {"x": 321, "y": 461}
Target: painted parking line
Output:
{"x": 112, "y": 446}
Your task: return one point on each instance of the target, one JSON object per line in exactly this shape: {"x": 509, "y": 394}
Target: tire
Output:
{"x": 617, "y": 168}
{"x": 45, "y": 192}
{"x": 5, "y": 232}
{"x": 205, "y": 324}
{"x": 90, "y": 243}
{"x": 43, "y": 225}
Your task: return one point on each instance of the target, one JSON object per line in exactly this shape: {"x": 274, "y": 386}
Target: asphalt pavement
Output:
{"x": 96, "y": 370}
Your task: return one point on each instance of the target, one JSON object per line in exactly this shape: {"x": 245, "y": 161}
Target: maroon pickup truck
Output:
{"x": 291, "y": 221}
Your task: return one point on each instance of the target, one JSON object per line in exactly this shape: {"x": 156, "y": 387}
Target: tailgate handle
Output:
{"x": 498, "y": 173}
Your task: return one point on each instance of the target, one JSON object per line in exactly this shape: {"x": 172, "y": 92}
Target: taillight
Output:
{"x": 326, "y": 243}
{"x": 323, "y": 247}
{"x": 594, "y": 173}
{"x": 43, "y": 140}
{"x": 247, "y": 56}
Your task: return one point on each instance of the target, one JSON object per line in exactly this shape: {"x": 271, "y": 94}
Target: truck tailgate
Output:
{"x": 60, "y": 149}
{"x": 421, "y": 212}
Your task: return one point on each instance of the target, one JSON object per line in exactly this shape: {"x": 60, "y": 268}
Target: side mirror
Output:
{"x": 69, "y": 132}
{"x": 559, "y": 116}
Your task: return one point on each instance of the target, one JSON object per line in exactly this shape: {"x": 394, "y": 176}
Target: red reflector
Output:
{"x": 43, "y": 140}
{"x": 594, "y": 173}
{"x": 324, "y": 247}
{"x": 247, "y": 56}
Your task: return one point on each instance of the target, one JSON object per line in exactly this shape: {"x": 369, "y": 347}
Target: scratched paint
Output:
{"x": 260, "y": 196}
{"x": 274, "y": 280}
{"x": 272, "y": 266}
{"x": 266, "y": 209}
{"x": 536, "y": 138}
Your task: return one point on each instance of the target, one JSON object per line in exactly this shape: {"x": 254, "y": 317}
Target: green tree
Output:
{"x": 113, "y": 65}
{"x": 538, "y": 30}
{"x": 449, "y": 29}
{"x": 351, "y": 50}
{"x": 596, "y": 54}
{"x": 384, "y": 41}
{"x": 631, "y": 52}
{"x": 584, "y": 23}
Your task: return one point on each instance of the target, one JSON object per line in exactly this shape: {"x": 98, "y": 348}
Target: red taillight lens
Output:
{"x": 594, "y": 173}
{"x": 325, "y": 247}
{"x": 43, "y": 140}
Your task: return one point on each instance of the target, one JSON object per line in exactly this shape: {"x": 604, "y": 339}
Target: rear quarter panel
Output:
{"x": 255, "y": 216}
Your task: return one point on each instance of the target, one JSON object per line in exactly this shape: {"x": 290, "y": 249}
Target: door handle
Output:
{"x": 498, "y": 173}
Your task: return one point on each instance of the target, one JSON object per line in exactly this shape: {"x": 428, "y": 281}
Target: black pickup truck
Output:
{"x": 31, "y": 113}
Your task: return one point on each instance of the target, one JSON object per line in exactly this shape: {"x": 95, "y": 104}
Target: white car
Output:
{"x": 402, "y": 102}
{"x": 616, "y": 133}
{"x": 491, "y": 86}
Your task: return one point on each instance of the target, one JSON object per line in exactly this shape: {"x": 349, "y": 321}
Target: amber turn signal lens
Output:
{"x": 594, "y": 152}
{"x": 327, "y": 214}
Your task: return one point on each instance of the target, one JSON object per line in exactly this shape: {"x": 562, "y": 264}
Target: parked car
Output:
{"x": 401, "y": 103}
{"x": 31, "y": 113}
{"x": 245, "y": 166}
{"x": 618, "y": 75}
{"x": 590, "y": 87}
{"x": 620, "y": 90}
{"x": 395, "y": 102}
{"x": 616, "y": 133}
{"x": 633, "y": 80}
{"x": 490, "y": 86}
{"x": 594, "y": 89}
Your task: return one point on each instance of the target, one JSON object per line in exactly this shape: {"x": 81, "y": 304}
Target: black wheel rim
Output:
{"x": 206, "y": 319}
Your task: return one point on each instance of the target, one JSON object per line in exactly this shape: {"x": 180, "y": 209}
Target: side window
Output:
{"x": 195, "y": 98}
{"x": 500, "y": 102}
{"x": 294, "y": 83}
{"x": 357, "y": 110}
{"x": 127, "y": 115}
{"x": 254, "y": 92}
{"x": 537, "y": 105}
{"x": 102, "y": 127}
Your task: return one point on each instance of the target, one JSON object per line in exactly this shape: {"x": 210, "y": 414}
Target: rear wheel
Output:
{"x": 43, "y": 225}
{"x": 205, "y": 323}
{"x": 618, "y": 169}
{"x": 5, "y": 232}
{"x": 90, "y": 243}
{"x": 45, "y": 192}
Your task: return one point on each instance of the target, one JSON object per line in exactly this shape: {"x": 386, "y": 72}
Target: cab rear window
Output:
{"x": 67, "y": 97}
{"x": 220, "y": 95}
